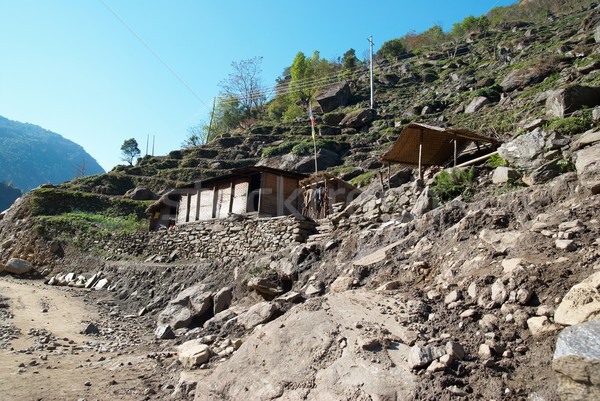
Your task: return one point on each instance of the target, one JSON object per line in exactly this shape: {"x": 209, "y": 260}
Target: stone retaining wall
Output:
{"x": 212, "y": 239}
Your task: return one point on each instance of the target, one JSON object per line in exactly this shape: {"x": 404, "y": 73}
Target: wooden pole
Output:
{"x": 315, "y": 146}
{"x": 420, "y": 154}
{"x": 212, "y": 114}
{"x": 476, "y": 160}
{"x": 455, "y": 150}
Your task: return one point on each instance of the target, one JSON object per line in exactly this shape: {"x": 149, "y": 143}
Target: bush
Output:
{"x": 570, "y": 125}
{"x": 496, "y": 161}
{"x": 456, "y": 182}
{"x": 491, "y": 92}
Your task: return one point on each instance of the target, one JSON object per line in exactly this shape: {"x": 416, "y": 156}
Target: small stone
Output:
{"x": 468, "y": 313}
{"x": 455, "y": 350}
{"x": 87, "y": 384}
{"x": 453, "y": 296}
{"x": 485, "y": 351}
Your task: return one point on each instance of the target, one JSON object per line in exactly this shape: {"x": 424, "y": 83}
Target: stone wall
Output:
{"x": 212, "y": 239}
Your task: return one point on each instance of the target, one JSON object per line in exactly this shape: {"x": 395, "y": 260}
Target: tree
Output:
{"x": 129, "y": 150}
{"x": 245, "y": 84}
{"x": 349, "y": 60}
{"x": 392, "y": 49}
{"x": 198, "y": 135}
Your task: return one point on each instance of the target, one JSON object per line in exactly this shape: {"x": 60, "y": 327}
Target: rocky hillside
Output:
{"x": 479, "y": 283}
{"x": 31, "y": 156}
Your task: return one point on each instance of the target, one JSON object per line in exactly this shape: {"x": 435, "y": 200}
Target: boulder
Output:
{"x": 539, "y": 325}
{"x": 577, "y": 362}
{"x": 581, "y": 303}
{"x": 500, "y": 241}
{"x": 336, "y": 96}
{"x": 18, "y": 266}
{"x": 504, "y": 174}
{"x": 193, "y": 353}
{"x": 222, "y": 299}
{"x": 521, "y": 78}
{"x": 141, "y": 194}
{"x": 257, "y": 314}
{"x": 587, "y": 164}
{"x": 587, "y": 138}
{"x": 164, "y": 332}
{"x": 177, "y": 316}
{"x": 341, "y": 284}
{"x": 562, "y": 102}
{"x": 546, "y": 172}
{"x": 425, "y": 202}
{"x": 524, "y": 150}
{"x": 265, "y": 287}
{"x": 477, "y": 104}
{"x": 358, "y": 118}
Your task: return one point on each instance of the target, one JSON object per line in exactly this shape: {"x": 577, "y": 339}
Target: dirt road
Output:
{"x": 51, "y": 358}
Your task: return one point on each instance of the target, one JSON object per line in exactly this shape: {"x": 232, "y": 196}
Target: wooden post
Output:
{"x": 455, "y": 150}
{"x": 389, "y": 171}
{"x": 420, "y": 154}
{"x": 215, "y": 202}
{"x": 259, "y": 195}
{"x": 231, "y": 189}
{"x": 381, "y": 180}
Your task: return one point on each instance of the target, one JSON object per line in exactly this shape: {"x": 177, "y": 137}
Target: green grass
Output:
{"x": 570, "y": 125}
{"x": 364, "y": 179}
{"x": 70, "y": 227}
{"x": 451, "y": 184}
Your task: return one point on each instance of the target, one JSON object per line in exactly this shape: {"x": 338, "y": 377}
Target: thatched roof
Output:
{"x": 438, "y": 146}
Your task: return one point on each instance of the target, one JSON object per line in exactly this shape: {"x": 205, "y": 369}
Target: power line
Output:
{"x": 154, "y": 53}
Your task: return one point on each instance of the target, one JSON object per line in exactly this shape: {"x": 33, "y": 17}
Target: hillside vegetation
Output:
{"x": 31, "y": 156}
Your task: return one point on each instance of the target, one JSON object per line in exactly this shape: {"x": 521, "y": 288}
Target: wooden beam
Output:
{"x": 455, "y": 146}
{"x": 476, "y": 160}
{"x": 420, "y": 154}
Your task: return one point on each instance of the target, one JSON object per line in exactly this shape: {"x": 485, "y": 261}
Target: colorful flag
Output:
{"x": 312, "y": 119}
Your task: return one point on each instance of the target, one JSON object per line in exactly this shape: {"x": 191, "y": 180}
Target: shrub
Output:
{"x": 496, "y": 160}
{"x": 570, "y": 125}
{"x": 451, "y": 184}
{"x": 491, "y": 92}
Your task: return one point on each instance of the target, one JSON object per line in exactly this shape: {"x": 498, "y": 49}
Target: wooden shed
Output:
{"x": 264, "y": 191}
{"x": 321, "y": 191}
{"x": 427, "y": 145}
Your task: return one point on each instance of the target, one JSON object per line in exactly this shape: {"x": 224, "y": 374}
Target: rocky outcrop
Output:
{"x": 336, "y": 96}
{"x": 18, "y": 266}
{"x": 577, "y": 362}
{"x": 358, "y": 118}
{"x": 523, "y": 151}
{"x": 562, "y": 102}
{"x": 587, "y": 164}
{"x": 581, "y": 303}
{"x": 190, "y": 304}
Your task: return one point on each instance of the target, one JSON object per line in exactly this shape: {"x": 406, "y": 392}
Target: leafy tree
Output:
{"x": 349, "y": 60}
{"x": 391, "y": 49}
{"x": 129, "y": 150}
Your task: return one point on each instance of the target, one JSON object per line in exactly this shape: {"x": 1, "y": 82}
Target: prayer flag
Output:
{"x": 312, "y": 119}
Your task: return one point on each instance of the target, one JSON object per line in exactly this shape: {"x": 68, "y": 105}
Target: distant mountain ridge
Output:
{"x": 31, "y": 155}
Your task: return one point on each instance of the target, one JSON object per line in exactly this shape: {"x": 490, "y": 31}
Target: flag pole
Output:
{"x": 312, "y": 127}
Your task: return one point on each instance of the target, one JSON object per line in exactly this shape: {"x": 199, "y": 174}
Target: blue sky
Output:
{"x": 101, "y": 71}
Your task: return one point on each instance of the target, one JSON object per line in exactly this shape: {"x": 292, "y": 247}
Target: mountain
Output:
{"x": 31, "y": 155}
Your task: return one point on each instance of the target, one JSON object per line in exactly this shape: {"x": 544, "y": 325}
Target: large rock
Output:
{"x": 477, "y": 104}
{"x": 521, "y": 78}
{"x": 191, "y": 303}
{"x": 18, "y": 266}
{"x": 425, "y": 202}
{"x": 193, "y": 353}
{"x": 265, "y": 287}
{"x": 577, "y": 362}
{"x": 141, "y": 194}
{"x": 524, "y": 150}
{"x": 546, "y": 172}
{"x": 222, "y": 299}
{"x": 504, "y": 174}
{"x": 358, "y": 119}
{"x": 587, "y": 163}
{"x": 500, "y": 241}
{"x": 336, "y": 96}
{"x": 582, "y": 302}
{"x": 258, "y": 314}
{"x": 587, "y": 138}
{"x": 562, "y": 102}
{"x": 421, "y": 356}
{"x": 323, "y": 357}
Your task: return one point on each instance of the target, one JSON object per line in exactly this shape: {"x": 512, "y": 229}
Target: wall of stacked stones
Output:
{"x": 212, "y": 239}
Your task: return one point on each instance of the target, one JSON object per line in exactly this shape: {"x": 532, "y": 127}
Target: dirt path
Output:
{"x": 52, "y": 360}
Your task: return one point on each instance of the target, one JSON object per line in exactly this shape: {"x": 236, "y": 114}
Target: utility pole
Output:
{"x": 153, "y": 138}
{"x": 147, "y": 141}
{"x": 212, "y": 114}
{"x": 370, "y": 39}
